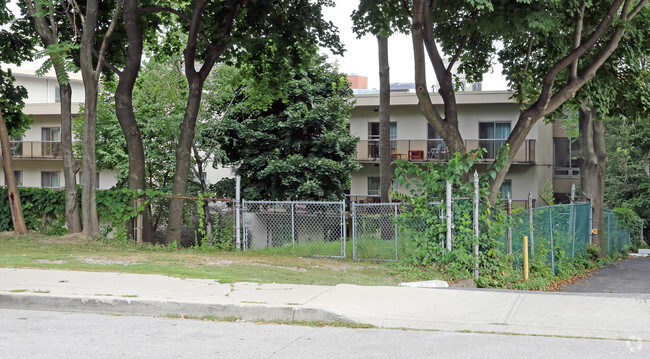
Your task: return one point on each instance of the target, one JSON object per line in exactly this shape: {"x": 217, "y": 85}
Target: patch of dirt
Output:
{"x": 106, "y": 261}
{"x": 60, "y": 261}
{"x": 463, "y": 283}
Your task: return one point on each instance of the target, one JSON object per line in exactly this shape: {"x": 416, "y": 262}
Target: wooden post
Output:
{"x": 525, "y": 247}
{"x": 138, "y": 234}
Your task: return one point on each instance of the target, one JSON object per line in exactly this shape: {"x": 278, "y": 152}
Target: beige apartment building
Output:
{"x": 37, "y": 155}
{"x": 485, "y": 119}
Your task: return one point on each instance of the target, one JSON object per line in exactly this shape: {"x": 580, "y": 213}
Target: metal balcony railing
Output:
{"x": 36, "y": 149}
{"x": 436, "y": 150}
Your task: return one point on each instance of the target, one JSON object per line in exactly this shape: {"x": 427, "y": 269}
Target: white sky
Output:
{"x": 360, "y": 57}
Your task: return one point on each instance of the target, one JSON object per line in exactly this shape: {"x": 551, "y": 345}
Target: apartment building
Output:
{"x": 485, "y": 120}
{"x": 37, "y": 154}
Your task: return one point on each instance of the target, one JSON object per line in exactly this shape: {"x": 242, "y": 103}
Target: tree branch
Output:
{"x": 577, "y": 35}
{"x": 459, "y": 50}
{"x": 547, "y": 84}
{"x": 107, "y": 36}
{"x": 636, "y": 9}
{"x": 217, "y": 49}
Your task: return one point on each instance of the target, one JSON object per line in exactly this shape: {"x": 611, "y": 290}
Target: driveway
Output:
{"x": 627, "y": 276}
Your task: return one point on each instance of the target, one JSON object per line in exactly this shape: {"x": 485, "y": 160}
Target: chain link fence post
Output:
{"x": 353, "y": 207}
{"x": 449, "y": 216}
{"x": 530, "y": 222}
{"x": 476, "y": 231}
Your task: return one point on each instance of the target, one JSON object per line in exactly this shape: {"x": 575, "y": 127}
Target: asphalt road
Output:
{"x": 40, "y": 334}
{"x": 627, "y": 276}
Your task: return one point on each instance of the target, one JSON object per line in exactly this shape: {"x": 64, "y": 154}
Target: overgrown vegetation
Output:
{"x": 426, "y": 232}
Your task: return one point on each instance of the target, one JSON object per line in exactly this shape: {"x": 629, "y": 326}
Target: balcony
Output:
{"x": 436, "y": 150}
{"x": 36, "y": 150}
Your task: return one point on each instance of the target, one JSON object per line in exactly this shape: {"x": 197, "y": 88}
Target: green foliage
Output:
{"x": 630, "y": 221}
{"x": 12, "y": 104}
{"x": 58, "y": 54}
{"x": 427, "y": 232}
{"x": 159, "y": 99}
{"x": 298, "y": 147}
{"x": 43, "y": 209}
{"x": 224, "y": 188}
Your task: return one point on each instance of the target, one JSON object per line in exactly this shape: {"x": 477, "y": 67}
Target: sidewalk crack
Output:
{"x": 513, "y": 309}
{"x": 291, "y": 342}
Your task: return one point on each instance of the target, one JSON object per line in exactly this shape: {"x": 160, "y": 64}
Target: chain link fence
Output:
{"x": 379, "y": 229}
{"x": 561, "y": 232}
{"x": 292, "y": 227}
{"x": 617, "y": 237}
{"x": 206, "y": 221}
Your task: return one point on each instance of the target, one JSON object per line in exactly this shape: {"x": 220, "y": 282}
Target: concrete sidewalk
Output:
{"x": 448, "y": 309}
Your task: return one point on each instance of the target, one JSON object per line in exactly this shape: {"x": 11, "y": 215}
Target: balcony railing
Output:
{"x": 436, "y": 150}
{"x": 36, "y": 149}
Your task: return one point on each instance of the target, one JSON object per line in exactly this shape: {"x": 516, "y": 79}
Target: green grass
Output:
{"x": 78, "y": 253}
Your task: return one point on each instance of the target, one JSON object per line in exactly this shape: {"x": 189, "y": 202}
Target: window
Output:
{"x": 493, "y": 135}
{"x": 373, "y": 136}
{"x": 81, "y": 179}
{"x": 57, "y": 94}
{"x": 477, "y": 86}
{"x": 565, "y": 156}
{"x": 51, "y": 137}
{"x": 16, "y": 144}
{"x": 50, "y": 180}
{"x": 373, "y": 186}
{"x": 436, "y": 147}
{"x": 18, "y": 175}
{"x": 505, "y": 189}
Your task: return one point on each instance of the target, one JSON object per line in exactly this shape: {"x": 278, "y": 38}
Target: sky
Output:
{"x": 360, "y": 57}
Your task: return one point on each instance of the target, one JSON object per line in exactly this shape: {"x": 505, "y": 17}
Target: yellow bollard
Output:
{"x": 525, "y": 257}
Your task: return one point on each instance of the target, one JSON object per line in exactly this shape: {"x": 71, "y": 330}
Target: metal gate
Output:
{"x": 295, "y": 227}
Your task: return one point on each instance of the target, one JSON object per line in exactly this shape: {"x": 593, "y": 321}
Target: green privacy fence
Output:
{"x": 562, "y": 232}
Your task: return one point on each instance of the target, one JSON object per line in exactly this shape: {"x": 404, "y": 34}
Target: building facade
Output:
{"x": 485, "y": 120}
{"x": 37, "y": 154}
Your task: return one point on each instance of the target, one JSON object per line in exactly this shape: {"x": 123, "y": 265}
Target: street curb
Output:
{"x": 134, "y": 306}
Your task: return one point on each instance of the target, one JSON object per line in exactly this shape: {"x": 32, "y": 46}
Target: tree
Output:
{"x": 298, "y": 147}
{"x": 47, "y": 18}
{"x": 13, "y": 49}
{"x": 374, "y": 17}
{"x": 92, "y": 62}
{"x": 274, "y": 35}
{"x": 537, "y": 54}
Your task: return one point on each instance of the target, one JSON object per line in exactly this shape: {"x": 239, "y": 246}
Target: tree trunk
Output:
{"x": 124, "y": 107}
{"x": 90, "y": 77}
{"x": 12, "y": 189}
{"x": 385, "y": 173}
{"x": 49, "y": 36}
{"x": 183, "y": 153}
{"x": 69, "y": 164}
{"x": 593, "y": 166}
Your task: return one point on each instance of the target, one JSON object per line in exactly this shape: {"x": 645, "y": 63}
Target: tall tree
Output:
{"x": 273, "y": 34}
{"x": 14, "y": 48}
{"x": 536, "y": 54}
{"x": 298, "y": 147}
{"x": 92, "y": 62}
{"x": 47, "y": 17}
{"x": 380, "y": 18}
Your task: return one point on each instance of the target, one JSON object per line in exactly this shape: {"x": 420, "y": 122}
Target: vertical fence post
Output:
{"x": 550, "y": 224}
{"x": 509, "y": 224}
{"x": 591, "y": 223}
{"x": 525, "y": 249}
{"x": 609, "y": 221}
{"x": 449, "y": 216}
{"x": 353, "y": 208}
{"x": 138, "y": 221}
{"x": 476, "y": 233}
{"x": 530, "y": 223}
{"x": 344, "y": 234}
{"x": 396, "y": 234}
{"x": 238, "y": 243}
{"x": 293, "y": 224}
{"x": 244, "y": 245}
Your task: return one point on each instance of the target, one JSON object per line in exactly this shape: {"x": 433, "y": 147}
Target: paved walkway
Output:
{"x": 448, "y": 309}
{"x": 627, "y": 276}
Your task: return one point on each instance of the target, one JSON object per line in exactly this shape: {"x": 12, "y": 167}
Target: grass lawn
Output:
{"x": 73, "y": 252}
